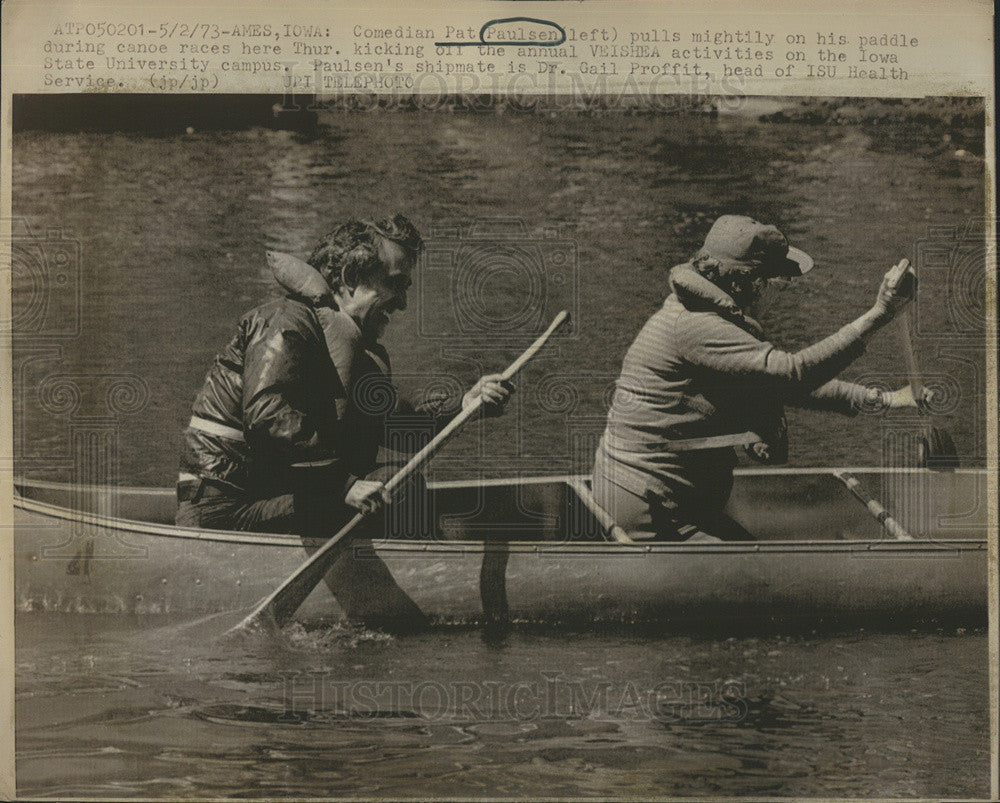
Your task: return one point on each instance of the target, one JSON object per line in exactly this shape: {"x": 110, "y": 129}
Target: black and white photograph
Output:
{"x": 385, "y": 445}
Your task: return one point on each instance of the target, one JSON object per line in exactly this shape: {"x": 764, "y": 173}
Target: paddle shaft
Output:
{"x": 906, "y": 343}
{"x": 938, "y": 449}
{"x": 281, "y": 604}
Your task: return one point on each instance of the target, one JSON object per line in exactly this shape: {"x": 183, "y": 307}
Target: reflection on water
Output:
{"x": 108, "y": 708}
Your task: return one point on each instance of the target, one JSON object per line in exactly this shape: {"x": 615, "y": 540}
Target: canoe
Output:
{"x": 531, "y": 550}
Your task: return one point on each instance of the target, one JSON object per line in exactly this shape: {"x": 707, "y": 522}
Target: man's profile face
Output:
{"x": 388, "y": 290}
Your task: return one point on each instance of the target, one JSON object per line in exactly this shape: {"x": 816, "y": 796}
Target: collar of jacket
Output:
{"x": 697, "y": 293}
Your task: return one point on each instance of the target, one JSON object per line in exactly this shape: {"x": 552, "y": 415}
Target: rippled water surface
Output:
{"x": 107, "y": 707}
{"x": 172, "y": 232}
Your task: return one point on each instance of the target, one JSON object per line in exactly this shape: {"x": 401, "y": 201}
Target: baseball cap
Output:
{"x": 745, "y": 241}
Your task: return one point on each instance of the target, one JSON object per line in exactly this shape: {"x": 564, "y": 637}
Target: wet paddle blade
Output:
{"x": 937, "y": 451}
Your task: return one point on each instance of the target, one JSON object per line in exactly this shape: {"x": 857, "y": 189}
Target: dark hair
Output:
{"x": 348, "y": 255}
{"x": 400, "y": 230}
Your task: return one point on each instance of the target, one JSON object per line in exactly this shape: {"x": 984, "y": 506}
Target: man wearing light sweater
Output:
{"x": 701, "y": 378}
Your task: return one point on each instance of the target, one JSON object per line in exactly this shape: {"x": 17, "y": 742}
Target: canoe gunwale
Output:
{"x": 886, "y": 544}
{"x": 742, "y": 471}
{"x": 438, "y": 547}
{"x": 890, "y": 546}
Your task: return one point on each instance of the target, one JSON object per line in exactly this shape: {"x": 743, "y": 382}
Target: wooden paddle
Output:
{"x": 278, "y": 607}
{"x": 937, "y": 448}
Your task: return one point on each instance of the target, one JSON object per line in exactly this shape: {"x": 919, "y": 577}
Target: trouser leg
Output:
{"x": 315, "y": 508}
{"x": 630, "y": 511}
{"x": 312, "y": 509}
{"x": 652, "y": 518}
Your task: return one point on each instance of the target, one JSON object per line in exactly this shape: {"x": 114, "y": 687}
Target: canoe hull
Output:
{"x": 69, "y": 564}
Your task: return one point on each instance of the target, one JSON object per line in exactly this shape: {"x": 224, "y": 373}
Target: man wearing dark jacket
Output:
{"x": 701, "y": 378}
{"x": 294, "y": 409}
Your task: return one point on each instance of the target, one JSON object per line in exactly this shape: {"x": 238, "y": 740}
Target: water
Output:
{"x": 109, "y": 708}
{"x": 172, "y": 231}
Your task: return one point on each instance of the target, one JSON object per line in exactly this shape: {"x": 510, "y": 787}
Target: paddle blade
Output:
{"x": 938, "y": 452}
{"x": 277, "y": 608}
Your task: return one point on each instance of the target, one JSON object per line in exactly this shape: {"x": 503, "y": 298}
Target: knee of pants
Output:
{"x": 631, "y": 512}
{"x": 210, "y": 513}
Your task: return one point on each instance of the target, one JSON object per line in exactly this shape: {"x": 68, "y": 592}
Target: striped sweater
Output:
{"x": 699, "y": 368}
